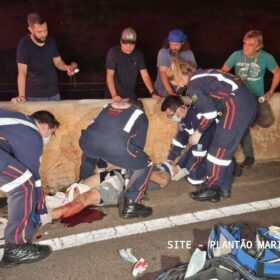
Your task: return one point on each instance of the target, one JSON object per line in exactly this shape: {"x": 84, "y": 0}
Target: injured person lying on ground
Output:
{"x": 101, "y": 189}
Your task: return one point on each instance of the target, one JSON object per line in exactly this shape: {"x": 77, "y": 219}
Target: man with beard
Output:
{"x": 176, "y": 44}
{"x": 37, "y": 57}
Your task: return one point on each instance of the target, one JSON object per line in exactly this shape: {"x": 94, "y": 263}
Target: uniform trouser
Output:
{"x": 88, "y": 165}
{"x": 16, "y": 178}
{"x": 199, "y": 173}
{"x": 138, "y": 182}
{"x": 227, "y": 136}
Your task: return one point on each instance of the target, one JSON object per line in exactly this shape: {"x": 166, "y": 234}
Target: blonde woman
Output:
{"x": 220, "y": 96}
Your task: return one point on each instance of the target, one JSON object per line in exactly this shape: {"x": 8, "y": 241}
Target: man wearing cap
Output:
{"x": 123, "y": 64}
{"x": 176, "y": 44}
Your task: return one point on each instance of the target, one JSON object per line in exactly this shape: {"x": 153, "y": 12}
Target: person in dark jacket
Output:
{"x": 118, "y": 135}
{"x": 21, "y": 144}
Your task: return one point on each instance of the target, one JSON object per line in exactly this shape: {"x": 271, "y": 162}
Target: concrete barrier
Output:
{"x": 61, "y": 157}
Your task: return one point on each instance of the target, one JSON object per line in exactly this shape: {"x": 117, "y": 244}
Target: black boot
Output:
{"x": 237, "y": 171}
{"x": 24, "y": 253}
{"x": 225, "y": 193}
{"x": 248, "y": 162}
{"x": 205, "y": 194}
{"x": 132, "y": 209}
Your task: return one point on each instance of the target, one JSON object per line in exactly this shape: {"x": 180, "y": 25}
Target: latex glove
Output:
{"x": 194, "y": 139}
{"x": 182, "y": 172}
{"x": 46, "y": 219}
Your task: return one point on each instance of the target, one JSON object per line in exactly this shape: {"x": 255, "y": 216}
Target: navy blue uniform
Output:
{"x": 212, "y": 92}
{"x": 21, "y": 147}
{"x": 193, "y": 159}
{"x": 118, "y": 136}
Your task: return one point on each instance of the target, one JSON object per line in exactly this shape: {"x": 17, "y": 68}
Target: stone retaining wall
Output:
{"x": 61, "y": 157}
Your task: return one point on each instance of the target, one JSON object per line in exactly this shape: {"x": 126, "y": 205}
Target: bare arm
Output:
{"x": 149, "y": 84}
{"x": 165, "y": 81}
{"x": 225, "y": 68}
{"x": 62, "y": 66}
{"x": 274, "y": 83}
{"x": 21, "y": 80}
{"x": 147, "y": 80}
{"x": 111, "y": 84}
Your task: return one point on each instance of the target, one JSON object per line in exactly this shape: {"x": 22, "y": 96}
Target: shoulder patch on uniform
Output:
{"x": 194, "y": 97}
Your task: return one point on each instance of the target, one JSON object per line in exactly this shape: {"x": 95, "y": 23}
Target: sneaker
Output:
{"x": 248, "y": 162}
{"x": 24, "y": 253}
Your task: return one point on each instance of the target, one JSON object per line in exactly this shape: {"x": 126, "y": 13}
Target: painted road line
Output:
{"x": 157, "y": 224}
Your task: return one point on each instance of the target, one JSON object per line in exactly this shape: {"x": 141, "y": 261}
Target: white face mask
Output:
{"x": 175, "y": 118}
{"x": 46, "y": 140}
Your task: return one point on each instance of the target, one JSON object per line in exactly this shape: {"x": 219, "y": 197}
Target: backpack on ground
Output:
{"x": 220, "y": 268}
{"x": 259, "y": 255}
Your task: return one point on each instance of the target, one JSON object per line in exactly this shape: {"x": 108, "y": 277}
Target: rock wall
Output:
{"x": 61, "y": 157}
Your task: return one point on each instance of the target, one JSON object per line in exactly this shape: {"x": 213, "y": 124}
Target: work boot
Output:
{"x": 133, "y": 209}
{"x": 24, "y": 253}
{"x": 248, "y": 162}
{"x": 205, "y": 194}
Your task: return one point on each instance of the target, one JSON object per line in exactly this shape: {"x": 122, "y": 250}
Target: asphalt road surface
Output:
{"x": 184, "y": 224}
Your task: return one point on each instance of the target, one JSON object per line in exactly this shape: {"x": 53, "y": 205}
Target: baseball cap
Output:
{"x": 129, "y": 35}
{"x": 177, "y": 36}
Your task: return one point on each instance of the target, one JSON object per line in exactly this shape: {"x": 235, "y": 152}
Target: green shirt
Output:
{"x": 252, "y": 70}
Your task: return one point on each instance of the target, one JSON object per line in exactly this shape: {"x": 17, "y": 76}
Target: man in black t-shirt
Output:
{"x": 37, "y": 57}
{"x": 123, "y": 64}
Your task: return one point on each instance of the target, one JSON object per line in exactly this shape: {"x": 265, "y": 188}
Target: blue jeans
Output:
{"x": 49, "y": 98}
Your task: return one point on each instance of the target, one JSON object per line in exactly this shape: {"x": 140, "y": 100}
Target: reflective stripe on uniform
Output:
{"x": 219, "y": 77}
{"x": 217, "y": 161}
{"x": 132, "y": 120}
{"x": 17, "y": 182}
{"x": 178, "y": 144}
{"x": 208, "y": 116}
{"x": 11, "y": 121}
{"x": 190, "y": 131}
{"x": 199, "y": 153}
{"x": 195, "y": 182}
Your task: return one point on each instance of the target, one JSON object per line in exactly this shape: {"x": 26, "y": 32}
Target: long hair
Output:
{"x": 178, "y": 69}
{"x": 186, "y": 45}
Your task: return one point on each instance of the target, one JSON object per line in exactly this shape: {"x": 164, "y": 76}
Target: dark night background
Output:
{"x": 86, "y": 29}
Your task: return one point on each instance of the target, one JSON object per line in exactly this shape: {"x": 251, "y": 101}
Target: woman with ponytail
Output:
{"x": 223, "y": 98}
